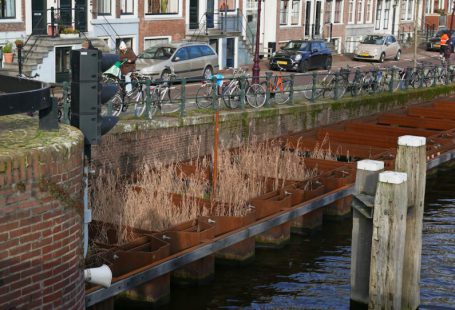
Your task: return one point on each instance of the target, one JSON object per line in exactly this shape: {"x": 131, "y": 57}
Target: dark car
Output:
{"x": 433, "y": 43}
{"x": 302, "y": 56}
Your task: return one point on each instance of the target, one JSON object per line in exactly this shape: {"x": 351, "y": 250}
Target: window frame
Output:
{"x": 360, "y": 11}
{"x": 169, "y": 40}
{"x": 14, "y": 10}
{"x": 124, "y": 3}
{"x": 386, "y": 15}
{"x": 151, "y": 15}
{"x": 338, "y": 18}
{"x": 351, "y": 11}
{"x": 289, "y": 13}
{"x": 377, "y": 24}
{"x": 103, "y": 13}
{"x": 369, "y": 11}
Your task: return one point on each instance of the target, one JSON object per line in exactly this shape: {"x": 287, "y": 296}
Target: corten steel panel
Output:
{"x": 431, "y": 113}
{"x": 386, "y": 130}
{"x": 415, "y": 122}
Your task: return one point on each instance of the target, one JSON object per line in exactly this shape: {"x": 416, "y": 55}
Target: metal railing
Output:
{"x": 184, "y": 95}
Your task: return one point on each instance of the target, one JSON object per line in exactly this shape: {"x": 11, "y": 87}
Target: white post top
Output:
{"x": 413, "y": 141}
{"x": 370, "y": 165}
{"x": 393, "y": 177}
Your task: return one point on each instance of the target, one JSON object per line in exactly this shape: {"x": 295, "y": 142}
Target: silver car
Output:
{"x": 182, "y": 59}
{"x": 378, "y": 48}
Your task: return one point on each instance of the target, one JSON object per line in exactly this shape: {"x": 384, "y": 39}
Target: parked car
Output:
{"x": 433, "y": 43}
{"x": 187, "y": 60}
{"x": 299, "y": 55}
{"x": 378, "y": 48}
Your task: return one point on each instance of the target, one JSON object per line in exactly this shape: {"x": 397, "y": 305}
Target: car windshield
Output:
{"x": 377, "y": 40}
{"x": 294, "y": 45}
{"x": 158, "y": 52}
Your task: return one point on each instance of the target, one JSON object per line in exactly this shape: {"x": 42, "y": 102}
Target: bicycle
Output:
{"x": 320, "y": 88}
{"x": 160, "y": 98}
{"x": 122, "y": 99}
{"x": 278, "y": 87}
{"x": 230, "y": 91}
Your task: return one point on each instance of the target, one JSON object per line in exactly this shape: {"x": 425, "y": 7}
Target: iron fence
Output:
{"x": 149, "y": 98}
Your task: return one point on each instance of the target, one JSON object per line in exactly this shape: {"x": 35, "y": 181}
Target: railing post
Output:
{"x": 357, "y": 82}
{"x": 268, "y": 76}
{"x": 447, "y": 71}
{"x": 422, "y": 71}
{"x": 392, "y": 80}
{"x": 408, "y": 76}
{"x": 291, "y": 90}
{"x": 242, "y": 92}
{"x": 337, "y": 75}
{"x": 182, "y": 97}
{"x": 66, "y": 103}
{"x": 148, "y": 98}
{"x": 313, "y": 88}
{"x": 434, "y": 75}
{"x": 214, "y": 92}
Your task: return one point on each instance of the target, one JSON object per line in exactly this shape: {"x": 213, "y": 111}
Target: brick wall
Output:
{"x": 41, "y": 229}
{"x": 130, "y": 143}
{"x": 173, "y": 26}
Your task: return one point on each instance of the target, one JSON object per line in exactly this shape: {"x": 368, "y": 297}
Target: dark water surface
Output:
{"x": 314, "y": 272}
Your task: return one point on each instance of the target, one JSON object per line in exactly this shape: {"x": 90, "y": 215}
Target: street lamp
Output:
{"x": 256, "y": 70}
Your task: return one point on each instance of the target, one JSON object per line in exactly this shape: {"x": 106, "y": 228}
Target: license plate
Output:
{"x": 437, "y": 46}
{"x": 281, "y": 62}
{"x": 365, "y": 54}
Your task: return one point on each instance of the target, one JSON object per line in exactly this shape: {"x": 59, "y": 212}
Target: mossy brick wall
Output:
{"x": 40, "y": 216}
{"x": 170, "y": 139}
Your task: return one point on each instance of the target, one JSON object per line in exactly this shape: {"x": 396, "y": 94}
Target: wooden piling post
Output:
{"x": 411, "y": 158}
{"x": 362, "y": 227}
{"x": 387, "y": 248}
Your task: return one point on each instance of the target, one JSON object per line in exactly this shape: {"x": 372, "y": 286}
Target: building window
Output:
{"x": 411, "y": 9}
{"x": 386, "y": 15}
{"x": 127, "y": 7}
{"x": 155, "y": 41}
{"x": 228, "y": 5}
{"x": 368, "y": 17}
{"x": 351, "y": 11}
{"x": 295, "y": 13}
{"x": 307, "y": 18}
{"x": 7, "y": 9}
{"x": 360, "y": 11}
{"x": 284, "y": 12}
{"x": 157, "y": 7}
{"x": 378, "y": 16}
{"x": 104, "y": 7}
{"x": 289, "y": 16}
{"x": 328, "y": 11}
{"x": 337, "y": 18}
{"x": 403, "y": 10}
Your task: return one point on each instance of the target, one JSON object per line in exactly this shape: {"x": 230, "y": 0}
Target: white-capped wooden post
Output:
{"x": 362, "y": 227}
{"x": 411, "y": 158}
{"x": 387, "y": 248}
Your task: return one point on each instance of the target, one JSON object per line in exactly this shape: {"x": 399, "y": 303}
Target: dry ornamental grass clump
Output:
{"x": 148, "y": 204}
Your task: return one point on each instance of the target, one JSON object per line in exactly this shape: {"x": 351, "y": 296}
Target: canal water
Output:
{"x": 314, "y": 272}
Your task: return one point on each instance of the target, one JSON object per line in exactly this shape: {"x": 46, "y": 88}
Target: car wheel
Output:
{"x": 304, "y": 66}
{"x": 397, "y": 57}
{"x": 381, "y": 59}
{"x": 328, "y": 63}
{"x": 166, "y": 75}
{"x": 208, "y": 72}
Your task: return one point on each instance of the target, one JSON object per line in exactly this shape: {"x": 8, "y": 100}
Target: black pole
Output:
{"x": 331, "y": 31}
{"x": 52, "y": 21}
{"x": 19, "y": 58}
{"x": 256, "y": 70}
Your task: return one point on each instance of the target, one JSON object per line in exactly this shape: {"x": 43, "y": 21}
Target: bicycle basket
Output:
{"x": 114, "y": 70}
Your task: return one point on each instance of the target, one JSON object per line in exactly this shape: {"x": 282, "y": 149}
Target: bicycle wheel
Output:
{"x": 255, "y": 95}
{"x": 231, "y": 97}
{"x": 282, "y": 94}
{"x": 115, "y": 105}
{"x": 204, "y": 96}
{"x": 171, "y": 101}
